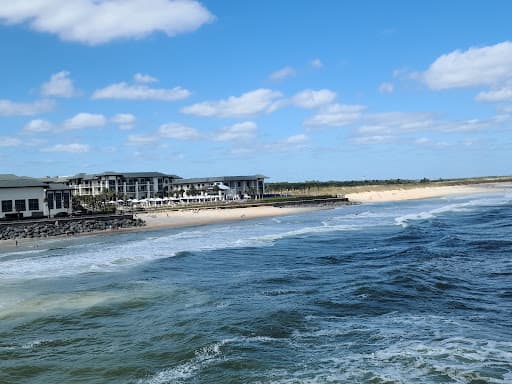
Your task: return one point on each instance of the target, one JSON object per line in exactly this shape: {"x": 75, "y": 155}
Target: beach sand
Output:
{"x": 380, "y": 196}
{"x": 192, "y": 217}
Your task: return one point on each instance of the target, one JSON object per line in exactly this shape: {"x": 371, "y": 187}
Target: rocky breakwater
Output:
{"x": 48, "y": 228}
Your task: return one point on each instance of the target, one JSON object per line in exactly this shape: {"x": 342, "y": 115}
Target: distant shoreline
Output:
{"x": 197, "y": 216}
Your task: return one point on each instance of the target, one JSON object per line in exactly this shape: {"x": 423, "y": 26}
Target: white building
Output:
{"x": 25, "y": 197}
{"x": 126, "y": 185}
{"x": 226, "y": 187}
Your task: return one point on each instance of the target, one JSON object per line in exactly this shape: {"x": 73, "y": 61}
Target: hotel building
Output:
{"x": 127, "y": 185}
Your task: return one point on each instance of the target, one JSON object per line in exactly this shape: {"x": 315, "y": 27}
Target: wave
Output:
{"x": 203, "y": 358}
{"x": 468, "y": 206}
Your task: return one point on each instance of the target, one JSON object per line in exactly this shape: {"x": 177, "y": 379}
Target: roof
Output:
{"x": 85, "y": 176}
{"x": 217, "y": 179}
{"x": 13, "y": 181}
{"x": 58, "y": 187}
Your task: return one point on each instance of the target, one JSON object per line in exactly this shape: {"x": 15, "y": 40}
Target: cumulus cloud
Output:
{"x": 142, "y": 139}
{"x": 309, "y": 98}
{"x": 496, "y": 95}
{"x": 144, "y": 79}
{"x": 336, "y": 115}
{"x": 38, "y": 126}
{"x": 290, "y": 143}
{"x": 84, "y": 120}
{"x": 68, "y": 148}
{"x": 248, "y": 104}
{"x": 296, "y": 139}
{"x": 316, "y": 63}
{"x": 100, "y": 21}
{"x": 283, "y": 73}
{"x": 386, "y": 127}
{"x": 178, "y": 131}
{"x": 11, "y": 108}
{"x": 476, "y": 66}
{"x": 386, "y": 87}
{"x": 59, "y": 85}
{"x": 237, "y": 132}
{"x": 7, "y": 141}
{"x": 140, "y": 92}
{"x": 125, "y": 121}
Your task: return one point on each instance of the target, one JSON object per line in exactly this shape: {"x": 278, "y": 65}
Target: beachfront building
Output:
{"x": 126, "y": 185}
{"x": 26, "y": 197}
{"x": 219, "y": 188}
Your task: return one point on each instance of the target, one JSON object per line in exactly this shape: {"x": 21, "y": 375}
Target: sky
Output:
{"x": 294, "y": 90}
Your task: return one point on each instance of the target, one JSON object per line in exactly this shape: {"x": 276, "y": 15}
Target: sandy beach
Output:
{"x": 399, "y": 194}
{"x": 187, "y": 218}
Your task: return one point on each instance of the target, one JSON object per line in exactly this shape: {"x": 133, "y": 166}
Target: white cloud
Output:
{"x": 496, "y": 95}
{"x": 38, "y": 126}
{"x": 178, "y": 131}
{"x": 124, "y": 121}
{"x": 423, "y": 140}
{"x": 6, "y": 141}
{"x": 84, "y": 120}
{"x": 316, "y": 63}
{"x": 144, "y": 79}
{"x": 291, "y": 143}
{"x": 309, "y": 98}
{"x": 11, "y": 108}
{"x": 96, "y": 22}
{"x": 237, "y": 132}
{"x": 336, "y": 115}
{"x": 426, "y": 142}
{"x": 283, "y": 73}
{"x": 142, "y": 139}
{"x": 386, "y": 87}
{"x": 140, "y": 92}
{"x": 68, "y": 148}
{"x": 296, "y": 139}
{"x": 59, "y": 85}
{"x": 248, "y": 104}
{"x": 474, "y": 67}
{"x": 375, "y": 139}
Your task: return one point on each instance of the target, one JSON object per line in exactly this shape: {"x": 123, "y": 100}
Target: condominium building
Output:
{"x": 126, "y": 185}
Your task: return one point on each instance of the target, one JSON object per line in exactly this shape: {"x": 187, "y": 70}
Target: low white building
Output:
{"x": 26, "y": 197}
{"x": 225, "y": 187}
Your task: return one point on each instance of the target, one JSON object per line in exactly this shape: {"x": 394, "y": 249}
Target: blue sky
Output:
{"x": 296, "y": 90}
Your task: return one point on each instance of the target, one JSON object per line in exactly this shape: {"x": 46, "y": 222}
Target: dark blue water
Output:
{"x": 416, "y": 292}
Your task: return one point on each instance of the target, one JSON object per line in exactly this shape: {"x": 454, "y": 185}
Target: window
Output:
{"x": 58, "y": 200}
{"x": 50, "y": 200}
{"x": 66, "y": 199}
{"x": 33, "y": 204}
{"x": 6, "y": 205}
{"x": 20, "y": 205}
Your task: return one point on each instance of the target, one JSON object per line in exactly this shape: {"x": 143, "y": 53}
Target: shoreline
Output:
{"x": 198, "y": 217}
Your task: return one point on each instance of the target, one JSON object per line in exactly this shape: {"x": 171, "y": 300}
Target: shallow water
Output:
{"x": 385, "y": 293}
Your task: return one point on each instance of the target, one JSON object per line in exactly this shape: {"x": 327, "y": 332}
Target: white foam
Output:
{"x": 202, "y": 359}
{"x": 467, "y": 206}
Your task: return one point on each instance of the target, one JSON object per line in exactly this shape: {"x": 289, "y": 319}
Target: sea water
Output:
{"x": 408, "y": 292}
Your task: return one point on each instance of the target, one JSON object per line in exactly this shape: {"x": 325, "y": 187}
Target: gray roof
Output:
{"x": 13, "y": 181}
{"x": 58, "y": 187}
{"x": 217, "y": 179}
{"x": 122, "y": 174}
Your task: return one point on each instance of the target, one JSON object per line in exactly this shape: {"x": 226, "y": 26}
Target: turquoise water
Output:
{"x": 381, "y": 293}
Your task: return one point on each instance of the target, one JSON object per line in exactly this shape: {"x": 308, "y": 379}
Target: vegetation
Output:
{"x": 314, "y": 187}
{"x": 97, "y": 203}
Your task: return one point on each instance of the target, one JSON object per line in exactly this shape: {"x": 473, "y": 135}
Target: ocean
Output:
{"x": 404, "y": 292}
